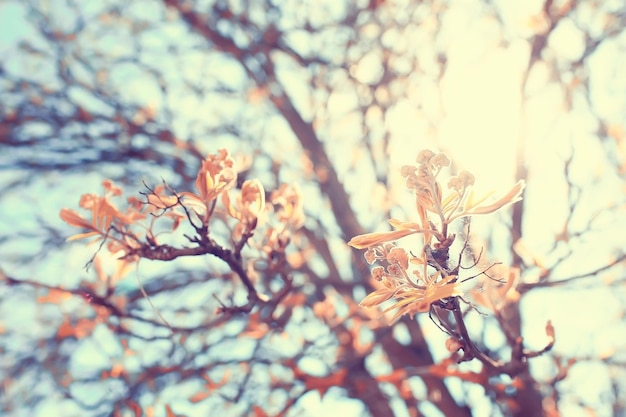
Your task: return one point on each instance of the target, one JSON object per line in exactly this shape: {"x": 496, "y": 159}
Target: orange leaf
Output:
{"x": 294, "y": 299}
{"x": 323, "y": 384}
{"x": 81, "y": 329}
{"x": 74, "y": 219}
{"x": 65, "y": 329}
{"x": 258, "y": 412}
{"x": 117, "y": 370}
{"x": 135, "y": 408}
{"x": 169, "y": 412}
{"x": 199, "y": 396}
{"x": 373, "y": 239}
{"x": 55, "y": 296}
{"x": 256, "y": 328}
{"x": 212, "y": 386}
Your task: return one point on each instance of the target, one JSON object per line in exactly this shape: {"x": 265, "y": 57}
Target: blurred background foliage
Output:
{"x": 333, "y": 96}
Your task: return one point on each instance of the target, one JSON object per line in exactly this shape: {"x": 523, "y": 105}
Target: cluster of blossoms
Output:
{"x": 106, "y": 220}
{"x": 415, "y": 282}
{"x": 413, "y": 292}
{"x": 215, "y": 182}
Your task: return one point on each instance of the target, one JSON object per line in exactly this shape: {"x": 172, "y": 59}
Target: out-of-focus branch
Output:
{"x": 525, "y": 287}
{"x": 304, "y": 131}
